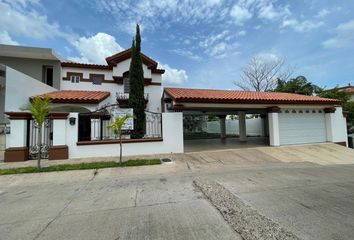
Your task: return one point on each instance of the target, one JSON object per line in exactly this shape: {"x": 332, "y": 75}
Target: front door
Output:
{"x": 84, "y": 127}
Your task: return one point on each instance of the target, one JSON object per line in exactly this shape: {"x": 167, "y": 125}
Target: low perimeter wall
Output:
{"x": 172, "y": 132}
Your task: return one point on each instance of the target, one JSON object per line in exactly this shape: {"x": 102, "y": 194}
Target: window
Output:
{"x": 126, "y": 82}
{"x": 75, "y": 78}
{"x": 48, "y": 75}
{"x": 97, "y": 79}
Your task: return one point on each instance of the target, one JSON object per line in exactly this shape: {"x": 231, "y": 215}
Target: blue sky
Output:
{"x": 200, "y": 43}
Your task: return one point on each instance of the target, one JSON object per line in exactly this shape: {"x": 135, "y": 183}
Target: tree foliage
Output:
{"x": 136, "y": 93}
{"x": 344, "y": 97}
{"x": 39, "y": 108}
{"x": 298, "y": 85}
{"x": 262, "y": 74}
{"x": 117, "y": 126}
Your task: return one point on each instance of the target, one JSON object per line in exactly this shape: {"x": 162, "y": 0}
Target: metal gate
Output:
{"x": 32, "y": 138}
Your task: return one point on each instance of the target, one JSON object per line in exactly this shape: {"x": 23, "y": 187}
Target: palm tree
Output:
{"x": 117, "y": 126}
{"x": 39, "y": 108}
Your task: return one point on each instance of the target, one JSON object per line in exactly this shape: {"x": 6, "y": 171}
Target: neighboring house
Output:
{"x": 84, "y": 96}
{"x": 350, "y": 90}
{"x": 42, "y": 64}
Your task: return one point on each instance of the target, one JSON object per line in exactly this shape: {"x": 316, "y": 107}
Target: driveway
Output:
{"x": 314, "y": 201}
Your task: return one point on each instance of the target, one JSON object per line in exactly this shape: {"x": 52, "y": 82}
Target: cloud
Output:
{"x": 154, "y": 15}
{"x": 173, "y": 76}
{"x": 240, "y": 14}
{"x": 20, "y": 18}
{"x": 96, "y": 48}
{"x": 219, "y": 50}
{"x": 6, "y": 39}
{"x": 242, "y": 33}
{"x": 344, "y": 36}
{"x": 301, "y": 26}
{"x": 269, "y": 12}
{"x": 187, "y": 53}
{"x": 322, "y": 13}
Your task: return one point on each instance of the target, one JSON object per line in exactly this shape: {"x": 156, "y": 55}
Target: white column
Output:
{"x": 242, "y": 126}
{"x": 273, "y": 119}
{"x": 336, "y": 125}
{"x": 59, "y": 132}
{"x": 222, "y": 120}
{"x": 18, "y": 133}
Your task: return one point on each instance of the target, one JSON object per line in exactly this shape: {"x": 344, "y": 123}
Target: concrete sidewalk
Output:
{"x": 323, "y": 154}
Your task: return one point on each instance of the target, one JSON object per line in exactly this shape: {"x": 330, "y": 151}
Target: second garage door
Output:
{"x": 302, "y": 126}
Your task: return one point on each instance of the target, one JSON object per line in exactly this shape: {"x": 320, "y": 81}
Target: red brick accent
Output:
{"x": 58, "y": 152}
{"x": 16, "y": 154}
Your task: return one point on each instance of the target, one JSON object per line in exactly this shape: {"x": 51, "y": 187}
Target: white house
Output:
{"x": 85, "y": 95}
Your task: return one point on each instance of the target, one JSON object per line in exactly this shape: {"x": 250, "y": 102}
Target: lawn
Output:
{"x": 81, "y": 166}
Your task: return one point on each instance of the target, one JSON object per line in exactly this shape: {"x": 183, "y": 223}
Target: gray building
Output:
{"x": 42, "y": 64}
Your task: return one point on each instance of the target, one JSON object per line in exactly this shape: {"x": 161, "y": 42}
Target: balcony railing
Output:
{"x": 123, "y": 99}
{"x": 125, "y": 96}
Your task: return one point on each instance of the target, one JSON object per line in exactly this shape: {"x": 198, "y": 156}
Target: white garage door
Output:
{"x": 302, "y": 127}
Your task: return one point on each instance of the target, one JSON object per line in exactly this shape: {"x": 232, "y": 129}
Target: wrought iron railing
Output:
{"x": 125, "y": 96}
{"x": 32, "y": 138}
{"x": 100, "y": 131}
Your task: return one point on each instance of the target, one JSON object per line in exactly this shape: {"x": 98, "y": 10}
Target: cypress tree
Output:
{"x": 136, "y": 92}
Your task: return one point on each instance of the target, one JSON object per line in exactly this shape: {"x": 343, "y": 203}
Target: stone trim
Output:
{"x": 115, "y": 141}
{"x": 58, "y": 152}
{"x": 16, "y": 154}
{"x": 341, "y": 143}
{"x": 58, "y": 115}
{"x": 329, "y": 110}
{"x": 274, "y": 109}
{"x": 19, "y": 115}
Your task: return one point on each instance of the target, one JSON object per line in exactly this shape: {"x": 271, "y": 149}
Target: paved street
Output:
{"x": 160, "y": 202}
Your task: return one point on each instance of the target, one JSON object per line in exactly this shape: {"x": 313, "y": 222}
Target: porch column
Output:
{"x": 59, "y": 149}
{"x": 273, "y": 119}
{"x": 242, "y": 126}
{"x": 16, "y": 148}
{"x": 222, "y": 119}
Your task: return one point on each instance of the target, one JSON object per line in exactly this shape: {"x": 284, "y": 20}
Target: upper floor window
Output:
{"x": 47, "y": 75}
{"x": 75, "y": 78}
{"x": 97, "y": 79}
{"x": 126, "y": 82}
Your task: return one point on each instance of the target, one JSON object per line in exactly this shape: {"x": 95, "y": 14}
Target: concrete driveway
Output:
{"x": 314, "y": 201}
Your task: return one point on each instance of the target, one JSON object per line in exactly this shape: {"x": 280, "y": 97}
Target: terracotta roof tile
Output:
{"x": 233, "y": 96}
{"x": 71, "y": 96}
{"x": 86, "y": 65}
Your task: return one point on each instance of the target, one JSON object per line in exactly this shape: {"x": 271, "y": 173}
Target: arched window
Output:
{"x": 126, "y": 82}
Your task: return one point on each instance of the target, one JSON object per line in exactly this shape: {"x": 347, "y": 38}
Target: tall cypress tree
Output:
{"x": 136, "y": 92}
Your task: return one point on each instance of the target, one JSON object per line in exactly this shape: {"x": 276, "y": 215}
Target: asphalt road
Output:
{"x": 313, "y": 201}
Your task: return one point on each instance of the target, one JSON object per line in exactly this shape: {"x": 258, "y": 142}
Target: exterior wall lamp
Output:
{"x": 72, "y": 121}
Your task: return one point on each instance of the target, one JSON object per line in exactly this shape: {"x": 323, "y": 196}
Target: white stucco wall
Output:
{"x": 123, "y": 66}
{"x": 336, "y": 126}
{"x": 19, "y": 87}
{"x": 172, "y": 131}
{"x": 253, "y": 127}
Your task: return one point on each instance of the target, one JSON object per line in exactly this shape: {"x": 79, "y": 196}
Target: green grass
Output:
{"x": 80, "y": 166}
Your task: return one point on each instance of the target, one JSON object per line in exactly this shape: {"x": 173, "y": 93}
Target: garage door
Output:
{"x": 302, "y": 126}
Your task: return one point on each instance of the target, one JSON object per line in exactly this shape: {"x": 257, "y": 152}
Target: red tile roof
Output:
{"x": 69, "y": 96}
{"x": 232, "y": 96}
{"x": 86, "y": 65}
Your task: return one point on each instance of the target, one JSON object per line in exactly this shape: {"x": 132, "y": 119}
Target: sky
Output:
{"x": 200, "y": 43}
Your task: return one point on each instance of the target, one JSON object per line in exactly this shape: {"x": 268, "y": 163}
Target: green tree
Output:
{"x": 39, "y": 108}
{"x": 347, "y": 105}
{"x": 136, "y": 92}
{"x": 117, "y": 126}
{"x": 298, "y": 85}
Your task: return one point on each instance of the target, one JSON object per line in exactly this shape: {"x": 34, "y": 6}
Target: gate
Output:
{"x": 32, "y": 138}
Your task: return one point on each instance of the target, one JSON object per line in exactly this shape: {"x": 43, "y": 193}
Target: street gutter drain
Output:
{"x": 166, "y": 160}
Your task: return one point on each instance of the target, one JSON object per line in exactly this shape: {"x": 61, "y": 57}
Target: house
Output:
{"x": 85, "y": 96}
{"x": 350, "y": 90}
